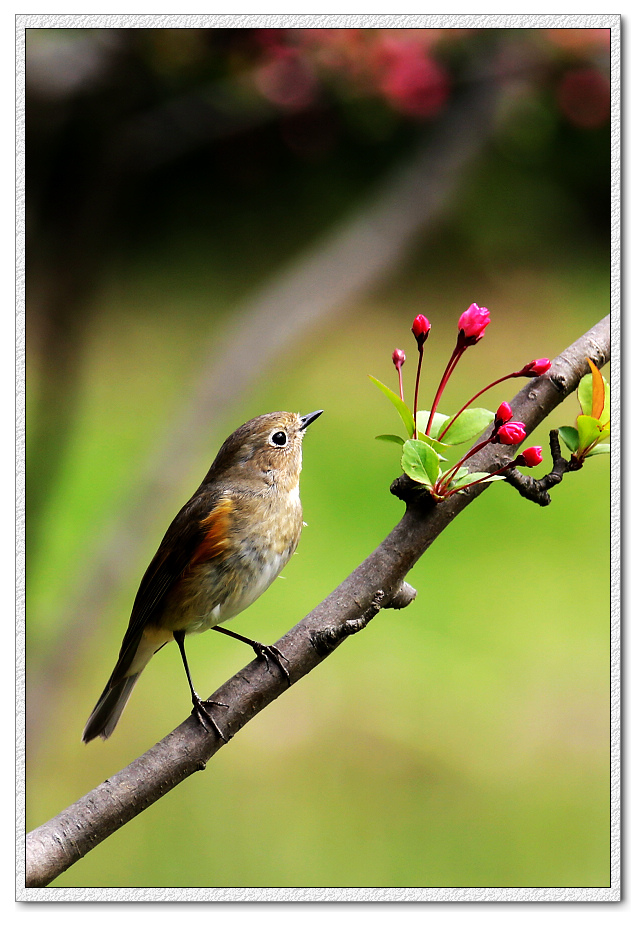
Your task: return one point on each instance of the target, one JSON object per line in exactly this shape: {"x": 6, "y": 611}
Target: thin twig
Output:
{"x": 536, "y": 489}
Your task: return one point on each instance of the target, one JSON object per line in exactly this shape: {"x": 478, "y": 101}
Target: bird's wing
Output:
{"x": 197, "y": 534}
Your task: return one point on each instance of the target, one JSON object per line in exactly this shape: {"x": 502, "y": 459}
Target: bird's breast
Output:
{"x": 258, "y": 537}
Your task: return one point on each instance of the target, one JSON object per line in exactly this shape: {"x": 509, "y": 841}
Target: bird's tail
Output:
{"x": 135, "y": 654}
{"x": 109, "y": 708}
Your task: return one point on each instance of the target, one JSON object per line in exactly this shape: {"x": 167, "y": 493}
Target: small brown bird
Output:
{"x": 221, "y": 551}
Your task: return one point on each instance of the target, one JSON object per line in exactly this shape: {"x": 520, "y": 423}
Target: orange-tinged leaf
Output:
{"x": 598, "y": 391}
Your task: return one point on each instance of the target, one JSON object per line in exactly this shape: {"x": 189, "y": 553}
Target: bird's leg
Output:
{"x": 199, "y": 707}
{"x": 263, "y": 652}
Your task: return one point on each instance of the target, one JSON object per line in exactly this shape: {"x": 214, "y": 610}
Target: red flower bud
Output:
{"x": 532, "y": 456}
{"x": 540, "y": 365}
{"x": 399, "y": 357}
{"x": 473, "y": 322}
{"x": 537, "y": 366}
{"x": 420, "y": 329}
{"x": 511, "y": 433}
{"x": 504, "y": 412}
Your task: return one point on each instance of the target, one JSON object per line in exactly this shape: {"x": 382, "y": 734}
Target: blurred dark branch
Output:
{"x": 93, "y": 124}
{"x": 76, "y": 97}
{"x": 378, "y": 582}
{"x": 311, "y": 291}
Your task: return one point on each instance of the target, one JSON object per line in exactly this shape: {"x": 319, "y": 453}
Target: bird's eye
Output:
{"x": 279, "y": 438}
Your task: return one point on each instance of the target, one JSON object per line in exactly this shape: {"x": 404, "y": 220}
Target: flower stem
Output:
{"x": 417, "y": 387}
{"x": 450, "y": 474}
{"x": 455, "y": 357}
{"x": 480, "y": 480}
{"x": 448, "y": 425}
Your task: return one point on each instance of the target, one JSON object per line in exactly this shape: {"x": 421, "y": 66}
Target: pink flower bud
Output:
{"x": 537, "y": 366}
{"x": 504, "y": 412}
{"x": 511, "y": 433}
{"x": 420, "y": 329}
{"x": 473, "y": 322}
{"x": 399, "y": 357}
{"x": 532, "y": 456}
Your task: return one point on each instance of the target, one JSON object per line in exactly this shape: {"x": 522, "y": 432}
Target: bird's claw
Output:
{"x": 203, "y": 715}
{"x": 276, "y": 656}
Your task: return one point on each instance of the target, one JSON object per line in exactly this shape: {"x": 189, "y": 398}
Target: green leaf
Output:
{"x": 398, "y": 403}
{"x": 594, "y": 395}
{"x": 391, "y": 437}
{"x": 584, "y": 394}
{"x": 589, "y": 431}
{"x": 438, "y": 422}
{"x": 570, "y": 437}
{"x": 468, "y": 425}
{"x": 601, "y": 449}
{"x": 605, "y": 416}
{"x": 469, "y": 478}
{"x": 444, "y": 475}
{"x": 420, "y": 462}
{"x": 434, "y": 444}
{"x": 475, "y": 476}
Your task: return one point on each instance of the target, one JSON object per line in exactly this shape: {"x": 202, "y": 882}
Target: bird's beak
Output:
{"x": 309, "y": 418}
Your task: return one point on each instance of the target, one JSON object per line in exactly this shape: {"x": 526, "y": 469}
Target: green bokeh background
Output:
{"x": 462, "y": 742}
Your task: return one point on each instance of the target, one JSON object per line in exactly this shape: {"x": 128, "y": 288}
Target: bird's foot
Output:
{"x": 269, "y": 653}
{"x": 275, "y": 655}
{"x": 205, "y": 718}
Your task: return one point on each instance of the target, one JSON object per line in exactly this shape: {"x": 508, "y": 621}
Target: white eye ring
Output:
{"x": 278, "y": 439}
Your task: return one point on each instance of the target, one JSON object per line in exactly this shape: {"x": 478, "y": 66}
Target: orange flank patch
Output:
{"x": 216, "y": 527}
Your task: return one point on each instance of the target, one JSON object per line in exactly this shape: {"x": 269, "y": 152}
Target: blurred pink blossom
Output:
{"x": 584, "y": 97}
{"x": 287, "y": 80}
{"x": 578, "y": 39}
{"x": 411, "y": 81}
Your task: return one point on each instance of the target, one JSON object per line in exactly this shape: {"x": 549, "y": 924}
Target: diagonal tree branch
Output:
{"x": 378, "y": 582}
